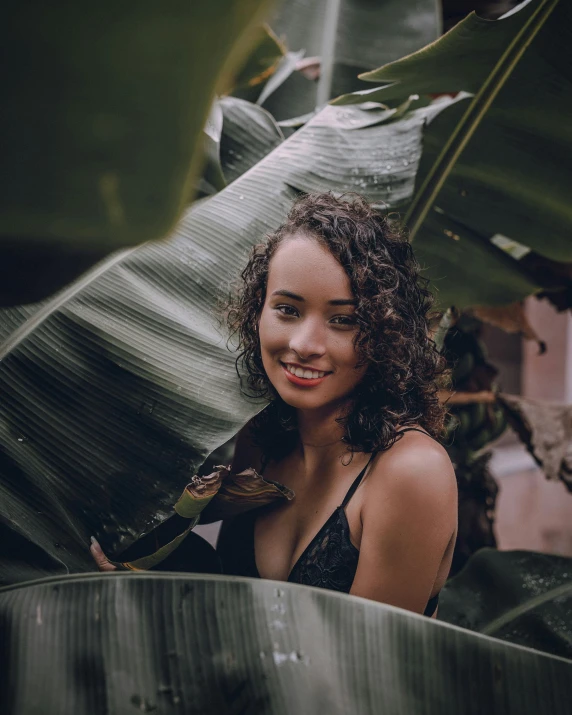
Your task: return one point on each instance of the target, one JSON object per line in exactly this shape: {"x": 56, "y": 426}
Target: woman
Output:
{"x": 332, "y": 322}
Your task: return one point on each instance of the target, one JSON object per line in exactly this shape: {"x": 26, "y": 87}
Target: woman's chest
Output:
{"x": 284, "y": 534}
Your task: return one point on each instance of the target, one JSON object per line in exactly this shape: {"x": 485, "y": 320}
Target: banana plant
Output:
{"x": 130, "y": 362}
{"x": 491, "y": 172}
{"x": 521, "y": 597}
{"x": 102, "y": 131}
{"x": 116, "y": 390}
{"x": 174, "y": 643}
{"x": 344, "y": 38}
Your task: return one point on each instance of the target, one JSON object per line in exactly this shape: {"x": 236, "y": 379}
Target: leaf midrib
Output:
{"x": 472, "y": 118}
{"x": 497, "y": 623}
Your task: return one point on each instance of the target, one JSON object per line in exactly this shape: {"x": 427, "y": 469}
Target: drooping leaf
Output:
{"x": 520, "y": 596}
{"x": 114, "y": 392}
{"x": 447, "y": 65}
{"x": 103, "y": 114}
{"x": 466, "y": 269}
{"x": 202, "y": 645}
{"x": 511, "y": 179}
{"x": 512, "y": 319}
{"x": 237, "y": 135}
{"x": 474, "y": 114}
{"x": 212, "y": 178}
{"x": 249, "y": 134}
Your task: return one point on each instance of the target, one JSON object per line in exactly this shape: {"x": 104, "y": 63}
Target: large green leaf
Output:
{"x": 249, "y": 134}
{"x": 237, "y": 135}
{"x": 170, "y": 643}
{"x": 103, "y": 113}
{"x": 350, "y": 36}
{"x": 519, "y": 596}
{"x": 512, "y": 177}
{"x": 114, "y": 392}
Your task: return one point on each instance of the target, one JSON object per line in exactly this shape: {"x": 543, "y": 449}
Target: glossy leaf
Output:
{"x": 100, "y": 147}
{"x": 510, "y": 181}
{"x": 518, "y": 596}
{"x": 172, "y": 643}
{"x": 249, "y": 134}
{"x": 115, "y": 391}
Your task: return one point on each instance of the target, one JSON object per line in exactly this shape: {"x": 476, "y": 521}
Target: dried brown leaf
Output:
{"x": 546, "y": 430}
{"x": 510, "y": 318}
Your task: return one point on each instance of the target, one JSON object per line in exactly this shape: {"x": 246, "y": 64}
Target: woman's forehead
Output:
{"x": 304, "y": 265}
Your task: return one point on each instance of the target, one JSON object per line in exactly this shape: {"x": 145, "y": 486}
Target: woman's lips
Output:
{"x": 303, "y": 381}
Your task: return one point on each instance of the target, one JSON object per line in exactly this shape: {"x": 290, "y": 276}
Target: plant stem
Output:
{"x": 329, "y": 39}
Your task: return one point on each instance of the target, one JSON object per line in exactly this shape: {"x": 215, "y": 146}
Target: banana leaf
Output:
{"x": 512, "y": 177}
{"x": 249, "y": 133}
{"x": 171, "y": 643}
{"x": 349, "y": 36}
{"x": 116, "y": 390}
{"x": 519, "y": 596}
{"x": 236, "y": 136}
{"x": 104, "y": 107}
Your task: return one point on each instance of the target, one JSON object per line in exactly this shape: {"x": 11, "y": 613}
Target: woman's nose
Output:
{"x": 308, "y": 339}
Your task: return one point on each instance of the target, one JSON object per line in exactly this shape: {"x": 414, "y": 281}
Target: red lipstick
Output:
{"x": 303, "y": 381}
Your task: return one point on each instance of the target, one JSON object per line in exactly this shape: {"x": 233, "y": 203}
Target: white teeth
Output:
{"x": 306, "y": 374}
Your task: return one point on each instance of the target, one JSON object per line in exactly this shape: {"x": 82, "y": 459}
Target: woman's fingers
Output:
{"x": 103, "y": 563}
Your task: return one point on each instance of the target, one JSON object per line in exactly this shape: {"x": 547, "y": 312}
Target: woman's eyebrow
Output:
{"x": 336, "y": 301}
{"x": 288, "y": 294}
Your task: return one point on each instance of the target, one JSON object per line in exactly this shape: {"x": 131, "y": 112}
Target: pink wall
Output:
{"x": 533, "y": 513}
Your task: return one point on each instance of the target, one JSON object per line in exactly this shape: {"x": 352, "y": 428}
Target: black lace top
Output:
{"x": 329, "y": 561}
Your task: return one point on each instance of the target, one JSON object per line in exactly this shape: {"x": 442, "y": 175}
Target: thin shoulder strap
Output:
{"x": 413, "y": 429}
{"x": 360, "y": 476}
{"x": 356, "y": 482}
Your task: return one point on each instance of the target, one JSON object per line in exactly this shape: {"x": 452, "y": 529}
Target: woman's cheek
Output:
{"x": 273, "y": 335}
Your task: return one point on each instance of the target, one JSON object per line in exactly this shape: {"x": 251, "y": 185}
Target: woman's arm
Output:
{"x": 409, "y": 517}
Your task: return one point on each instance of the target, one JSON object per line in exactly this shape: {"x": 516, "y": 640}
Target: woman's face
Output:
{"x": 307, "y": 327}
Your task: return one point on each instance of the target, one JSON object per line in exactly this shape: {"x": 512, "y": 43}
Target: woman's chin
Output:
{"x": 294, "y": 397}
{"x": 299, "y": 400}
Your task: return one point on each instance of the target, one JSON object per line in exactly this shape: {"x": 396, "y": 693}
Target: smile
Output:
{"x": 304, "y": 377}
{"x": 303, "y": 372}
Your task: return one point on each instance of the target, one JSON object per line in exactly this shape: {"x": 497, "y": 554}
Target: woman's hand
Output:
{"x": 103, "y": 563}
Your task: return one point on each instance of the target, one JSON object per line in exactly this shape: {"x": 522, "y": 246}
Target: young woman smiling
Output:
{"x": 332, "y": 322}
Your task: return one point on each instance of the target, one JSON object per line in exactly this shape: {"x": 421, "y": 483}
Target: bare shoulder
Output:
{"x": 416, "y": 470}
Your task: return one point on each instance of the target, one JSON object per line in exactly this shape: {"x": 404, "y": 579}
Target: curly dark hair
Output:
{"x": 405, "y": 370}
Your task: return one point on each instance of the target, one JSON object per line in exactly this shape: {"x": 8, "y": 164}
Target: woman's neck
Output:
{"x": 321, "y": 438}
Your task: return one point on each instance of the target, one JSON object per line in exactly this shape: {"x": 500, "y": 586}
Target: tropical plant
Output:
{"x": 172, "y": 643}
{"x": 105, "y": 107}
{"x": 492, "y": 158}
{"x": 117, "y": 389}
{"x": 145, "y": 319}
{"x": 518, "y": 596}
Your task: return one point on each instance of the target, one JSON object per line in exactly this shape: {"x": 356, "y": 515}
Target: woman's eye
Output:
{"x": 286, "y": 309}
